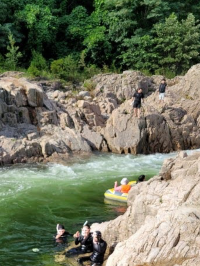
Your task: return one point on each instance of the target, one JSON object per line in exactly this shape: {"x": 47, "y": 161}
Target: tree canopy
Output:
{"x": 158, "y": 36}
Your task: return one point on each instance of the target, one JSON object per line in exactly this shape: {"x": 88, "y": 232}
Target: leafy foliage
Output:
{"x": 65, "y": 68}
{"x": 38, "y": 64}
{"x": 13, "y": 55}
{"x": 157, "y": 36}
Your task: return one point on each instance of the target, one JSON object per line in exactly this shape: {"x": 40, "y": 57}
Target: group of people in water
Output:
{"x": 88, "y": 243}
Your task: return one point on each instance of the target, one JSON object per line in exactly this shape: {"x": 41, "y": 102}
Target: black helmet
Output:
{"x": 98, "y": 234}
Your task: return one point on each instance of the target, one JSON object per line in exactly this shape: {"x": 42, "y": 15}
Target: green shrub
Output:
{"x": 38, "y": 64}
{"x": 89, "y": 85}
{"x": 168, "y": 73}
{"x": 57, "y": 66}
{"x": 65, "y": 68}
{"x": 146, "y": 72}
{"x": 91, "y": 70}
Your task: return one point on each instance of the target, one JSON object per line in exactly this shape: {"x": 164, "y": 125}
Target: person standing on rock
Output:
{"x": 162, "y": 89}
{"x": 137, "y": 97}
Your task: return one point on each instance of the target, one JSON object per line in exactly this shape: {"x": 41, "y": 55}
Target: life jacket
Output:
{"x": 125, "y": 188}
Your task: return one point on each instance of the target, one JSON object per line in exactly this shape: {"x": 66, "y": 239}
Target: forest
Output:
{"x": 74, "y": 39}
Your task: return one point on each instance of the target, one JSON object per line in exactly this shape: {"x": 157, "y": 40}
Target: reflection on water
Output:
{"x": 34, "y": 198}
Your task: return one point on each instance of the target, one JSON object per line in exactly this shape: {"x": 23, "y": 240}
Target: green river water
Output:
{"x": 34, "y": 198}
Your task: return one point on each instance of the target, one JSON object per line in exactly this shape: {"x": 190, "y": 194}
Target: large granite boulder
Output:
{"x": 123, "y": 85}
{"x": 161, "y": 226}
{"x": 33, "y": 127}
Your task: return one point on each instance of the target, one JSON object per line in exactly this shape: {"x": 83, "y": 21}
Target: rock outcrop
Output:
{"x": 32, "y": 127}
{"x": 161, "y": 226}
{"x": 162, "y": 128}
{"x": 44, "y": 119}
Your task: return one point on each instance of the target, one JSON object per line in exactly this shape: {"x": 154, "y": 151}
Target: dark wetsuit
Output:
{"x": 85, "y": 247}
{"x": 63, "y": 238}
{"x": 137, "y": 101}
{"x": 97, "y": 256}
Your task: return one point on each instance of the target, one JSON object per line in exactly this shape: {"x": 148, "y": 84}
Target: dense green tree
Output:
{"x": 139, "y": 53}
{"x": 128, "y": 33}
{"x": 177, "y": 43}
{"x": 172, "y": 46}
{"x": 41, "y": 26}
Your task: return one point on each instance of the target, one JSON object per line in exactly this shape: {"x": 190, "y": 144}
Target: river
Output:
{"x": 34, "y": 198}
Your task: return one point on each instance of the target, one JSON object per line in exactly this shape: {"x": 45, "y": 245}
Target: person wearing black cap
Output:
{"x": 61, "y": 235}
{"x": 99, "y": 249}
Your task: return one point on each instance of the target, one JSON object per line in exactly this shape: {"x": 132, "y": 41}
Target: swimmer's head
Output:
{"x": 141, "y": 178}
{"x": 60, "y": 229}
{"x": 86, "y": 230}
{"x": 96, "y": 236}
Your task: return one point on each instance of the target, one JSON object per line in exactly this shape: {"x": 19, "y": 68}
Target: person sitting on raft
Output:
{"x": 84, "y": 239}
{"x": 124, "y": 188}
{"x": 141, "y": 178}
{"x": 61, "y": 235}
{"x": 99, "y": 249}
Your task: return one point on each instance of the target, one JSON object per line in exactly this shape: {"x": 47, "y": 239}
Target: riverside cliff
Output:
{"x": 161, "y": 226}
{"x": 42, "y": 121}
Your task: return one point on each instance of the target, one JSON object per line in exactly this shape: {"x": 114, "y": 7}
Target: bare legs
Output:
{"x": 137, "y": 112}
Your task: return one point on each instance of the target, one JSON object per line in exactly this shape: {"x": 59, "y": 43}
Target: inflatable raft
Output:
{"x": 116, "y": 195}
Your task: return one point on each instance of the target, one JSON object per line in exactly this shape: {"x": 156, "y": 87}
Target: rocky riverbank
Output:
{"x": 161, "y": 226}
{"x": 45, "y": 121}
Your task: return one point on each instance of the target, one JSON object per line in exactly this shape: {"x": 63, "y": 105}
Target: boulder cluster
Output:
{"x": 41, "y": 121}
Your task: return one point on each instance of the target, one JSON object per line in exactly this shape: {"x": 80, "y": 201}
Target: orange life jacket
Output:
{"x": 125, "y": 188}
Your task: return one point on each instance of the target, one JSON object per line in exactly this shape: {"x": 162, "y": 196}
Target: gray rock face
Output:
{"x": 104, "y": 119}
{"x": 161, "y": 226}
{"x": 124, "y": 134}
{"x": 162, "y": 127}
{"x": 123, "y": 85}
{"x": 30, "y": 124}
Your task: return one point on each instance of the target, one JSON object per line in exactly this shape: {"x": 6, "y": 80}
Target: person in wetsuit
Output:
{"x": 137, "y": 102}
{"x": 61, "y": 235}
{"x": 99, "y": 249}
{"x": 84, "y": 239}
